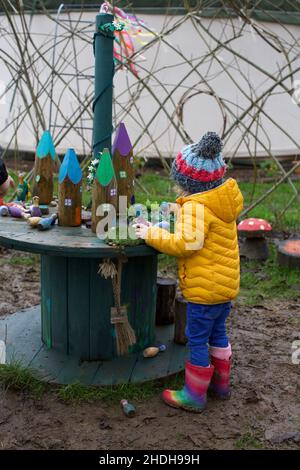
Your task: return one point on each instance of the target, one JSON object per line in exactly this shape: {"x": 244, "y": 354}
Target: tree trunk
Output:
{"x": 165, "y": 306}
{"x": 180, "y": 321}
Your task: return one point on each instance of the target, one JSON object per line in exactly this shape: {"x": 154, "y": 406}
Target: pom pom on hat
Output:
{"x": 210, "y": 146}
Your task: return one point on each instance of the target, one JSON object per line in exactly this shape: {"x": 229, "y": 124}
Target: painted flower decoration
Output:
{"x": 92, "y": 169}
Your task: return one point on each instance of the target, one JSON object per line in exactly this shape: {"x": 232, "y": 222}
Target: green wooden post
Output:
{"x": 104, "y": 71}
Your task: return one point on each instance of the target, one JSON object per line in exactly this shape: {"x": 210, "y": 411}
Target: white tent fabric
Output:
{"x": 278, "y": 124}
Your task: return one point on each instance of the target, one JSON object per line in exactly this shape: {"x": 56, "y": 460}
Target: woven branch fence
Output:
{"x": 195, "y": 60}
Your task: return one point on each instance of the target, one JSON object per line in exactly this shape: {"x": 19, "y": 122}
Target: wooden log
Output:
{"x": 165, "y": 304}
{"x": 180, "y": 321}
{"x": 70, "y": 191}
{"x": 255, "y": 248}
{"x": 289, "y": 253}
{"x": 43, "y": 169}
{"x": 104, "y": 194}
{"x": 123, "y": 164}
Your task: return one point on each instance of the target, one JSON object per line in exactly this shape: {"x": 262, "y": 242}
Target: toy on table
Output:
{"x": 34, "y": 221}
{"x": 4, "y": 211}
{"x": 35, "y": 210}
{"x": 122, "y": 157}
{"x": 43, "y": 169}
{"x": 22, "y": 189}
{"x": 17, "y": 211}
{"x": 70, "y": 191}
{"x": 47, "y": 223}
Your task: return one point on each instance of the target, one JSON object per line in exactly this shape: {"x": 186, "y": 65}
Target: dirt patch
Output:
{"x": 264, "y": 411}
{"x": 19, "y": 281}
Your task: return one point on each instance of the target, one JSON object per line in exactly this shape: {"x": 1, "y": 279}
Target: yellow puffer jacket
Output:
{"x": 205, "y": 241}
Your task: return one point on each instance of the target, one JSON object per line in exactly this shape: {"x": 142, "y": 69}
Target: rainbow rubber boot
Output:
{"x": 220, "y": 384}
{"x": 193, "y": 395}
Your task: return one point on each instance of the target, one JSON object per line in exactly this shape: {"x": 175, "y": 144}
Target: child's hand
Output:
{"x": 141, "y": 230}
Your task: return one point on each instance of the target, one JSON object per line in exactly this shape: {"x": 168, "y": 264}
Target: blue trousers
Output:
{"x": 206, "y": 325}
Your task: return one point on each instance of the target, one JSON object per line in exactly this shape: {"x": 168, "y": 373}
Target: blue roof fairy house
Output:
{"x": 43, "y": 169}
{"x": 70, "y": 168}
{"x": 46, "y": 146}
{"x": 69, "y": 191}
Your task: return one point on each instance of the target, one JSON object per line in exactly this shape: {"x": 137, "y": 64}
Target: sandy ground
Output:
{"x": 264, "y": 410}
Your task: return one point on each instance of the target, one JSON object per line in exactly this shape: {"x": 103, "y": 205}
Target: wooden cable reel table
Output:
{"x": 77, "y": 338}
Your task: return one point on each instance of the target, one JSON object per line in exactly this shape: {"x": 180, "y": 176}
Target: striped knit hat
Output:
{"x": 200, "y": 167}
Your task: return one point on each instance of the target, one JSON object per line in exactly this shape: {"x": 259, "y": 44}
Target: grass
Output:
{"x": 161, "y": 188}
{"x": 264, "y": 281}
{"x": 248, "y": 441}
{"x": 24, "y": 260}
{"x": 16, "y": 377}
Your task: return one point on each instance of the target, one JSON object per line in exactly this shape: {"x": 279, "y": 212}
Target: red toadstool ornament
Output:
{"x": 255, "y": 231}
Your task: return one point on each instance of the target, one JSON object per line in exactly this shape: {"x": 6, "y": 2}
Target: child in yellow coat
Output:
{"x": 205, "y": 243}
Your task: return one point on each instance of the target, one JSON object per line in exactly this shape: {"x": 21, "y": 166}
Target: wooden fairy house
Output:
{"x": 123, "y": 164}
{"x": 105, "y": 190}
{"x": 69, "y": 191}
{"x": 43, "y": 169}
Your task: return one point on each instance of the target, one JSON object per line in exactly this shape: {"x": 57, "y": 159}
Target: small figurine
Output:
{"x": 35, "y": 209}
{"x": 16, "y": 211}
{"x": 22, "y": 189}
{"x": 152, "y": 351}
{"x": 3, "y": 211}
{"x": 34, "y": 221}
{"x": 47, "y": 223}
{"x": 128, "y": 409}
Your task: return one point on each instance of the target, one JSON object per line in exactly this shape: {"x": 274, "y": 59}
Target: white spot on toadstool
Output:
{"x": 262, "y": 227}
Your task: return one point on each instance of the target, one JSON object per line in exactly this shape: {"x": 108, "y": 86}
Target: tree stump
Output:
{"x": 180, "y": 321}
{"x": 165, "y": 305}
{"x": 289, "y": 253}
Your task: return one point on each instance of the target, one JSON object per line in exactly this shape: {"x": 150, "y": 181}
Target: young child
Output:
{"x": 5, "y": 181}
{"x": 205, "y": 242}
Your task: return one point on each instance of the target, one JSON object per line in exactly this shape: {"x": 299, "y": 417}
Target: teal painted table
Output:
{"x": 75, "y": 307}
